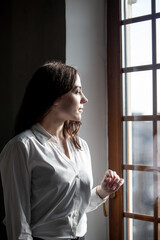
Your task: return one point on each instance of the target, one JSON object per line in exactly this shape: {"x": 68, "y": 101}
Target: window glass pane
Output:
{"x": 133, "y": 8}
{"x": 138, "y": 192}
{"x": 157, "y": 6}
{"x": 137, "y": 93}
{"x": 138, "y": 143}
{"x": 158, "y": 145}
{"x": 122, "y": 9}
{"x": 158, "y": 39}
{"x": 158, "y": 91}
{"x": 123, "y": 29}
{"x": 136, "y": 39}
{"x": 134, "y": 229}
{"x": 159, "y": 198}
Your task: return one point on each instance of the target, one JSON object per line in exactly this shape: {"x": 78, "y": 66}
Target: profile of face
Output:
{"x": 70, "y": 105}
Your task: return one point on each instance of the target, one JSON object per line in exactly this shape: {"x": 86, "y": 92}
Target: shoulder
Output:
{"x": 15, "y": 156}
{"x": 20, "y": 141}
{"x": 24, "y": 137}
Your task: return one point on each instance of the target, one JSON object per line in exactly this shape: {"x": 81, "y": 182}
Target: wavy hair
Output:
{"x": 49, "y": 82}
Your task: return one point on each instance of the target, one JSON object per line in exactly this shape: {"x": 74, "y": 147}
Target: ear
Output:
{"x": 57, "y": 101}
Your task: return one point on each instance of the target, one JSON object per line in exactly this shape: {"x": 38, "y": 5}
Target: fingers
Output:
{"x": 122, "y": 181}
{"x": 116, "y": 184}
{"x": 113, "y": 180}
{"x": 111, "y": 174}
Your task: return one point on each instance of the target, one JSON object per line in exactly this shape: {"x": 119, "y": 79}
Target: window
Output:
{"x": 133, "y": 50}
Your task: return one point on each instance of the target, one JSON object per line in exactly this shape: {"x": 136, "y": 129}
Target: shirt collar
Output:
{"x": 41, "y": 134}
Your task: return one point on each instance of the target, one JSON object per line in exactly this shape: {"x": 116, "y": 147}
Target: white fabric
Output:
{"x": 46, "y": 194}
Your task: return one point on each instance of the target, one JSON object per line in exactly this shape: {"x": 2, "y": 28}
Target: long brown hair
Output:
{"x": 49, "y": 82}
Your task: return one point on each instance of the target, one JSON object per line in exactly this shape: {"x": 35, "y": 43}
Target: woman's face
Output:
{"x": 70, "y": 105}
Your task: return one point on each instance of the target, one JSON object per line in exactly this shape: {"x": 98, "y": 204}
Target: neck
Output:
{"x": 55, "y": 128}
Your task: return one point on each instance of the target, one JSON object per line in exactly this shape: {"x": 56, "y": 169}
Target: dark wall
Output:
{"x": 31, "y": 32}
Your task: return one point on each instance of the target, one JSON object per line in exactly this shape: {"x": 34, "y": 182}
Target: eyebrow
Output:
{"x": 77, "y": 87}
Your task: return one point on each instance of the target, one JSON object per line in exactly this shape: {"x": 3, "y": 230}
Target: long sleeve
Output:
{"x": 95, "y": 201}
{"x": 16, "y": 187}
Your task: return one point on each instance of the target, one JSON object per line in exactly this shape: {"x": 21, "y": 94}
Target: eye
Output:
{"x": 78, "y": 92}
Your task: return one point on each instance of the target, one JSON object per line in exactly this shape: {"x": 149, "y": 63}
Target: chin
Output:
{"x": 79, "y": 118}
{"x": 76, "y": 119}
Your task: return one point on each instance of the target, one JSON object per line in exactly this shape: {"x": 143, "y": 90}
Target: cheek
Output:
{"x": 69, "y": 105}
{"x": 73, "y": 101}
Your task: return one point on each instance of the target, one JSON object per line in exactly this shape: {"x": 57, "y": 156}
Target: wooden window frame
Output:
{"x": 116, "y": 118}
{"x": 114, "y": 114}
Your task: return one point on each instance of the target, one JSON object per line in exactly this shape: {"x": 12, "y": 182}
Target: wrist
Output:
{"x": 101, "y": 193}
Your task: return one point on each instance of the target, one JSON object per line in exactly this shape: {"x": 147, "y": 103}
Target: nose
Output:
{"x": 84, "y": 99}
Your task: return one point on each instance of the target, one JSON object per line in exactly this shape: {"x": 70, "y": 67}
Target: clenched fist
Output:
{"x": 110, "y": 184}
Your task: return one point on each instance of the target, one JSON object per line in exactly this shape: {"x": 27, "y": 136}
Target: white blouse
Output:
{"x": 46, "y": 194}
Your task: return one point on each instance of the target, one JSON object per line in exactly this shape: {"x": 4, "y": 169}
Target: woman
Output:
{"x": 46, "y": 168}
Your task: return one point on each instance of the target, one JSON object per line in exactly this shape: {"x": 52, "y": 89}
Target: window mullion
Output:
{"x": 155, "y": 155}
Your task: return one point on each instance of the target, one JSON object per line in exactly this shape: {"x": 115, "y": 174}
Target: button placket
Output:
{"x": 56, "y": 147}
{"x": 76, "y": 204}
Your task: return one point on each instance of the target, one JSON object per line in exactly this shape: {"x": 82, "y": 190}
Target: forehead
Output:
{"x": 78, "y": 81}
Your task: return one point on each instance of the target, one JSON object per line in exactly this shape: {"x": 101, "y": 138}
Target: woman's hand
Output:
{"x": 110, "y": 184}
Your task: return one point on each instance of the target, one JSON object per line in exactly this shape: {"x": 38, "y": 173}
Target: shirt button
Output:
{"x": 76, "y": 195}
{"x": 74, "y": 234}
{"x": 75, "y": 214}
{"x": 77, "y": 176}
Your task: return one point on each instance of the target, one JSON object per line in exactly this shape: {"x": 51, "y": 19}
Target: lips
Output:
{"x": 81, "y": 110}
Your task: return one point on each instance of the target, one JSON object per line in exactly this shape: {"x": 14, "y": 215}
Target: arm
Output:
{"x": 16, "y": 187}
{"x": 110, "y": 184}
